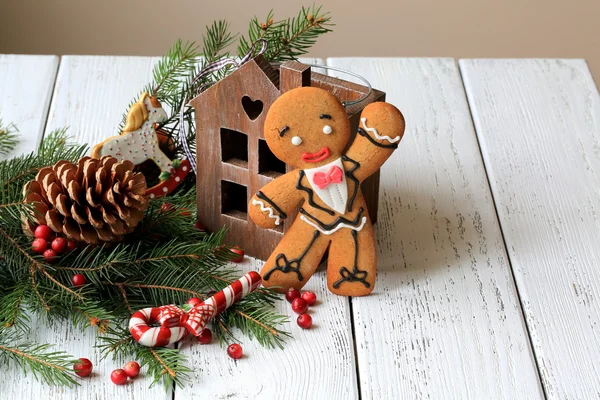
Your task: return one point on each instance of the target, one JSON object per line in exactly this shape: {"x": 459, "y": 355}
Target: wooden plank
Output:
{"x": 538, "y": 123}
{"x": 318, "y": 363}
{"x": 91, "y": 94}
{"x": 444, "y": 320}
{"x": 26, "y": 84}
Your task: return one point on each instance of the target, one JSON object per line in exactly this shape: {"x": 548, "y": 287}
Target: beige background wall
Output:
{"x": 456, "y": 28}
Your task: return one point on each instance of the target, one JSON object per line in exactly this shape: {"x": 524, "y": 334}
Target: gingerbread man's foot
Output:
{"x": 352, "y": 263}
{"x": 295, "y": 259}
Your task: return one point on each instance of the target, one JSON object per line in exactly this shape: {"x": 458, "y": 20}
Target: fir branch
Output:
{"x": 52, "y": 367}
{"x": 8, "y": 138}
{"x": 165, "y": 365}
{"x": 290, "y": 38}
{"x": 216, "y": 40}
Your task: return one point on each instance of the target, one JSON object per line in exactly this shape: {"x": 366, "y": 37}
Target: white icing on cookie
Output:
{"x": 263, "y": 208}
{"x": 334, "y": 230}
{"x": 377, "y": 135}
{"x": 141, "y": 144}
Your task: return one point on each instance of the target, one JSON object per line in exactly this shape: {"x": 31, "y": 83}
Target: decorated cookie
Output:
{"x": 139, "y": 142}
{"x": 308, "y": 128}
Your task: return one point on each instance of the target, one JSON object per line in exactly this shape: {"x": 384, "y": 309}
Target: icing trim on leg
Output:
{"x": 292, "y": 265}
{"x": 356, "y": 275}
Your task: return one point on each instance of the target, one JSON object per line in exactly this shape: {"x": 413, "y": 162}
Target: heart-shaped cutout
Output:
{"x": 253, "y": 108}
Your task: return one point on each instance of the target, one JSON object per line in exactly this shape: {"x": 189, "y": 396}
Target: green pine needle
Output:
{"x": 8, "y": 138}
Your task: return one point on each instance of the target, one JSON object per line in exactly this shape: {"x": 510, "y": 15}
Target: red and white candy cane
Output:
{"x": 175, "y": 324}
{"x": 169, "y": 331}
{"x": 201, "y": 314}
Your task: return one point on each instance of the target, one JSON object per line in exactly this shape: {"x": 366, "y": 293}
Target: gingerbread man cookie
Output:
{"x": 308, "y": 128}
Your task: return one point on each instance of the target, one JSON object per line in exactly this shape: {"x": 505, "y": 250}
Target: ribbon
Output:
{"x": 207, "y": 70}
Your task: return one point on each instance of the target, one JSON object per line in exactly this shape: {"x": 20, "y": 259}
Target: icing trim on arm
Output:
{"x": 264, "y": 197}
{"x": 362, "y": 132}
{"x": 263, "y": 208}
{"x": 377, "y": 135}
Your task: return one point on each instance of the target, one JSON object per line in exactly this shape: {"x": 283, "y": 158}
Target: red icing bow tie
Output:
{"x": 334, "y": 175}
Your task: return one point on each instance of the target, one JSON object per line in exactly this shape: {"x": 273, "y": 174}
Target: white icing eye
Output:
{"x": 327, "y": 129}
{"x": 296, "y": 140}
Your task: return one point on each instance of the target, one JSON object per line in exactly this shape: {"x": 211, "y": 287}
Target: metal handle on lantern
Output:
{"x": 357, "y": 76}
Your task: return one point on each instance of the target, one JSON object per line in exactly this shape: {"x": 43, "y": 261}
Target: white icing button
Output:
{"x": 327, "y": 129}
{"x": 296, "y": 140}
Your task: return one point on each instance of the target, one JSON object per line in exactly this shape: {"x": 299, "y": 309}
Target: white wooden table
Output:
{"x": 488, "y": 233}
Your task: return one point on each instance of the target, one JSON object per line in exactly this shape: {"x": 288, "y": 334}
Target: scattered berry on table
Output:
{"x": 39, "y": 245}
{"x": 292, "y": 294}
{"x": 299, "y": 305}
{"x": 59, "y": 245}
{"x": 78, "y": 280}
{"x": 235, "y": 351}
{"x": 194, "y": 301}
{"x": 83, "y": 367}
{"x": 132, "y": 369}
{"x": 119, "y": 377}
{"x": 50, "y": 255}
{"x": 43, "y": 232}
{"x": 310, "y": 297}
{"x": 239, "y": 252}
{"x": 205, "y": 337}
{"x": 304, "y": 321}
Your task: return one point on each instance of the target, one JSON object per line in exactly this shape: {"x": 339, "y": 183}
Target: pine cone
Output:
{"x": 94, "y": 201}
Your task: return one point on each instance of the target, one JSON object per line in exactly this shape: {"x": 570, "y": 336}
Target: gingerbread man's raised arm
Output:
{"x": 272, "y": 204}
{"x": 380, "y": 130}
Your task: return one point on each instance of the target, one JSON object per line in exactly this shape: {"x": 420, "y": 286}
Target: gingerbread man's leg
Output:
{"x": 296, "y": 257}
{"x": 352, "y": 262}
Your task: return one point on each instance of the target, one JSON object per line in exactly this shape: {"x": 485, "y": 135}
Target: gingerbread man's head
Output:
{"x": 307, "y": 127}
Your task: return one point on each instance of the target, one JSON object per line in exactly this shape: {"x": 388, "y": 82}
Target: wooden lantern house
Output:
{"x": 234, "y": 161}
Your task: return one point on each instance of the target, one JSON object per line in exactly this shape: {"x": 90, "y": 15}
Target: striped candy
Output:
{"x": 200, "y": 315}
{"x": 142, "y": 332}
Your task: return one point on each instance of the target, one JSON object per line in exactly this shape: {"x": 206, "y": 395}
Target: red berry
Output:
{"x": 239, "y": 252}
{"x": 39, "y": 245}
{"x": 304, "y": 321}
{"x": 235, "y": 351}
{"x": 132, "y": 369}
{"x": 119, "y": 377}
{"x": 194, "y": 301}
{"x": 310, "y": 297}
{"x": 200, "y": 226}
{"x": 78, "y": 280}
{"x": 59, "y": 244}
{"x": 50, "y": 255}
{"x": 299, "y": 305}
{"x": 83, "y": 367}
{"x": 43, "y": 232}
{"x": 292, "y": 294}
{"x": 205, "y": 337}
{"x": 166, "y": 207}
{"x": 71, "y": 245}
